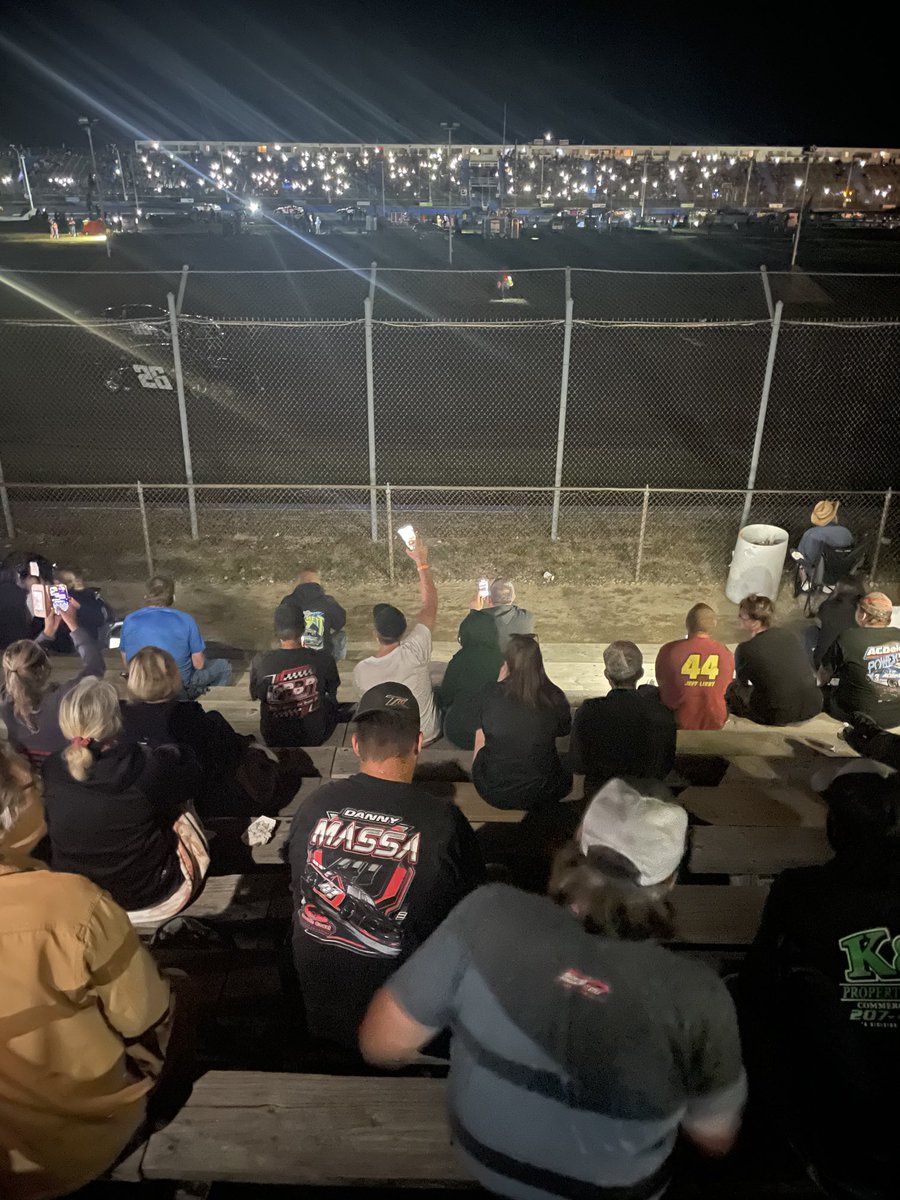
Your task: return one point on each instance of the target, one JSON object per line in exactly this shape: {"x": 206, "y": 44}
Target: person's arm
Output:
{"x": 741, "y": 667}
{"x": 197, "y": 646}
{"x": 88, "y": 650}
{"x": 576, "y": 744}
{"x": 564, "y": 724}
{"x": 332, "y": 678}
{"x": 716, "y": 1083}
{"x": 133, "y": 996}
{"x": 420, "y": 998}
{"x": 337, "y": 616}
{"x": 427, "y": 614}
{"x": 832, "y": 662}
{"x": 450, "y": 683}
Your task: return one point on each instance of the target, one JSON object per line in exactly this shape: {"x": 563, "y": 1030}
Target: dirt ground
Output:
{"x": 240, "y": 616}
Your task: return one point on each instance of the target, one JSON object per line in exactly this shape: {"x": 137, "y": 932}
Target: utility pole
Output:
{"x": 449, "y": 126}
{"x": 810, "y": 151}
{"x": 747, "y": 184}
{"x": 87, "y": 124}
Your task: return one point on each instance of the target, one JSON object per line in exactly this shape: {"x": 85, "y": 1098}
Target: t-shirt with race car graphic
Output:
{"x": 375, "y": 867}
{"x": 297, "y": 691}
{"x": 866, "y": 661}
{"x": 821, "y": 986}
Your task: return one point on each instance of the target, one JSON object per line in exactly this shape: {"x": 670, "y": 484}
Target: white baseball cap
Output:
{"x": 649, "y": 832}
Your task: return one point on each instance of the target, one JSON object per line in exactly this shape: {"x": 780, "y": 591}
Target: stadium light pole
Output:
{"x": 121, "y": 172}
{"x": 810, "y": 151}
{"x": 87, "y": 124}
{"x": 449, "y": 126}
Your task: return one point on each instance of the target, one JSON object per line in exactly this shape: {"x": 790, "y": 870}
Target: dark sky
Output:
{"x": 749, "y": 71}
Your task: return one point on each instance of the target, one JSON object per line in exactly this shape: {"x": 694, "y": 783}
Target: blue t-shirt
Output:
{"x": 166, "y": 628}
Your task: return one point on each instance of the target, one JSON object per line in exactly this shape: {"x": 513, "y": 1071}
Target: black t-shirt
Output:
{"x": 115, "y": 828}
{"x": 822, "y": 990}
{"x": 575, "y": 1057}
{"x": 297, "y": 690}
{"x": 836, "y": 614}
{"x": 375, "y": 867}
{"x": 519, "y": 766}
{"x": 784, "y": 687}
{"x": 867, "y": 664}
{"x": 627, "y": 732}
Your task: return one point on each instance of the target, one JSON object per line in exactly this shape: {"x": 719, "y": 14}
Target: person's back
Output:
{"x": 76, "y": 1058}
{"x": 775, "y": 684}
{"x": 318, "y": 614}
{"x": 836, "y": 613}
{"x": 519, "y": 718}
{"x": 579, "y": 1046}
{"x": 693, "y": 673}
{"x": 866, "y": 660}
{"x": 627, "y": 732}
{"x": 376, "y": 865}
{"x": 476, "y": 664}
{"x": 821, "y": 987}
{"x": 502, "y": 609}
{"x": 296, "y": 686}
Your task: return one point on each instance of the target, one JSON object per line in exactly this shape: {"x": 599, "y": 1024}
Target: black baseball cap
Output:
{"x": 389, "y": 621}
{"x": 393, "y": 698}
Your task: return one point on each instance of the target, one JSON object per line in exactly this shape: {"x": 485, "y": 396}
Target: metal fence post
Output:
{"x": 370, "y": 418}
{"x": 640, "y": 547}
{"x": 882, "y": 525}
{"x": 146, "y": 530}
{"x": 389, "y": 517}
{"x": 767, "y": 288}
{"x": 373, "y": 274}
{"x": 568, "y": 284}
{"x": 182, "y": 416}
{"x": 7, "y": 511}
{"x": 561, "y": 429}
{"x": 182, "y": 284}
{"x": 763, "y": 406}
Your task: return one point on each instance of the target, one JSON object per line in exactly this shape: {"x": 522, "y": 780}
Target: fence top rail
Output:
{"x": 432, "y": 487}
{"x": 439, "y": 270}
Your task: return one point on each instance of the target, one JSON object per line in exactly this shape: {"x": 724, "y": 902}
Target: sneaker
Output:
{"x": 796, "y": 556}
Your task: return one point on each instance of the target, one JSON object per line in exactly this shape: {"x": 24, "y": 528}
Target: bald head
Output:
{"x": 701, "y": 619}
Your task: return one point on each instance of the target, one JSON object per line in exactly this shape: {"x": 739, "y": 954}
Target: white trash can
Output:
{"x": 757, "y": 562}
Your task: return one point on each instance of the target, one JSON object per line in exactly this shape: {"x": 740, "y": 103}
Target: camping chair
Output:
{"x": 831, "y": 565}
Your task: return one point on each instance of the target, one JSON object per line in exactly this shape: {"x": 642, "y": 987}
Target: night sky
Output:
{"x": 744, "y": 72}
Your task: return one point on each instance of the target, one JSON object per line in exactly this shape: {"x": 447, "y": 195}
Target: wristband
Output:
{"x": 423, "y": 566}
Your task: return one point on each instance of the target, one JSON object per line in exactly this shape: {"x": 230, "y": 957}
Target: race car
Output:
{"x": 350, "y": 908}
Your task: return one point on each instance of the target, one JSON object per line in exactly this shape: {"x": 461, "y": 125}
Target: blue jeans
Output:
{"x": 216, "y": 673}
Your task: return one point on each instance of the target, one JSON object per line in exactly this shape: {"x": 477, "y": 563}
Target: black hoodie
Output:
{"x": 115, "y": 828}
{"x": 318, "y": 614}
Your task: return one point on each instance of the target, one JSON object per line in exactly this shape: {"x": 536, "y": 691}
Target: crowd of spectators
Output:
{"x": 520, "y": 176}
{"x": 579, "y": 1045}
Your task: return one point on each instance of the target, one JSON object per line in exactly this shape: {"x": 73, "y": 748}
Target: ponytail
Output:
{"x": 89, "y": 715}
{"x": 26, "y": 678}
{"x": 79, "y": 760}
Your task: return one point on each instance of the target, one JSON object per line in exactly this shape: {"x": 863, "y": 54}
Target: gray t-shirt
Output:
{"x": 574, "y": 1057}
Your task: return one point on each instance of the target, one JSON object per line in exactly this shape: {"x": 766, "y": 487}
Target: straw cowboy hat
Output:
{"x": 825, "y": 512}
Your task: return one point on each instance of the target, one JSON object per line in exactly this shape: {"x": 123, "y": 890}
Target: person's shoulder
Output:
{"x": 689, "y": 982}
{"x": 493, "y": 902}
{"x": 62, "y": 900}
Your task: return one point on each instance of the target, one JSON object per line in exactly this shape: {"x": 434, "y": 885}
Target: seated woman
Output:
{"x": 476, "y": 664}
{"x": 237, "y": 778}
{"x": 120, "y": 814}
{"x": 516, "y": 763}
{"x": 30, "y": 706}
{"x": 22, "y": 823}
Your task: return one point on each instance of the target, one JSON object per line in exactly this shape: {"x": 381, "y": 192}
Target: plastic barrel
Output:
{"x": 757, "y": 562}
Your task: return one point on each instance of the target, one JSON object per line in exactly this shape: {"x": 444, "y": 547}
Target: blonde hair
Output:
{"x": 153, "y": 675}
{"x": 26, "y": 679}
{"x": 89, "y": 711}
{"x": 16, "y": 778}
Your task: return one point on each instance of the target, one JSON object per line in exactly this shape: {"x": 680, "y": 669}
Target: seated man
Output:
{"x": 866, "y": 661}
{"x": 824, "y": 531}
{"x": 694, "y": 672}
{"x": 580, "y": 1046}
{"x": 406, "y": 659}
{"x": 159, "y": 624}
{"x": 320, "y": 618}
{"x": 775, "y": 684}
{"x": 821, "y": 994}
{"x": 296, "y": 687}
{"x": 627, "y": 732}
{"x": 376, "y": 865}
{"x": 501, "y": 607}
{"x": 86, "y": 1017}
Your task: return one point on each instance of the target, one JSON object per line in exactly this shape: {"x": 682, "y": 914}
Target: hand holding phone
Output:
{"x": 40, "y": 606}
{"x": 408, "y": 534}
{"x": 59, "y": 597}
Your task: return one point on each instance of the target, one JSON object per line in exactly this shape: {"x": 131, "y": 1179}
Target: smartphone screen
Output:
{"x": 39, "y": 600}
{"x": 34, "y": 569}
{"x": 59, "y": 597}
{"x": 484, "y": 588}
{"x": 408, "y": 534}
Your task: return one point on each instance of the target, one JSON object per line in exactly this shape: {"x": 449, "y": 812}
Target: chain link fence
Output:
{"x": 605, "y": 535}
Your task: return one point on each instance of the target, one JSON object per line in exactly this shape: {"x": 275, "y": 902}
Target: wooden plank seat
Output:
{"x": 754, "y": 803}
{"x": 233, "y": 898}
{"x": 742, "y": 850}
{"x": 710, "y": 915}
{"x": 308, "y": 1130}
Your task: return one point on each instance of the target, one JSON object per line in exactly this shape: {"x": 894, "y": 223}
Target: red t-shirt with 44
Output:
{"x": 692, "y": 675}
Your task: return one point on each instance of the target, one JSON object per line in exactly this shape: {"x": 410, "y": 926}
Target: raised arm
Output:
{"x": 88, "y": 650}
{"x": 427, "y": 614}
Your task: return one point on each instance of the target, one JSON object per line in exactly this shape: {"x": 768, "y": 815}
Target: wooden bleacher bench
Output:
{"x": 234, "y": 899}
{"x": 716, "y": 915}
{"x": 268, "y": 1128}
{"x": 754, "y": 803}
{"x": 741, "y": 850}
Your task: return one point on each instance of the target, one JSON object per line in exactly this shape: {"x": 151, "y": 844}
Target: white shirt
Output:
{"x": 408, "y": 663}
